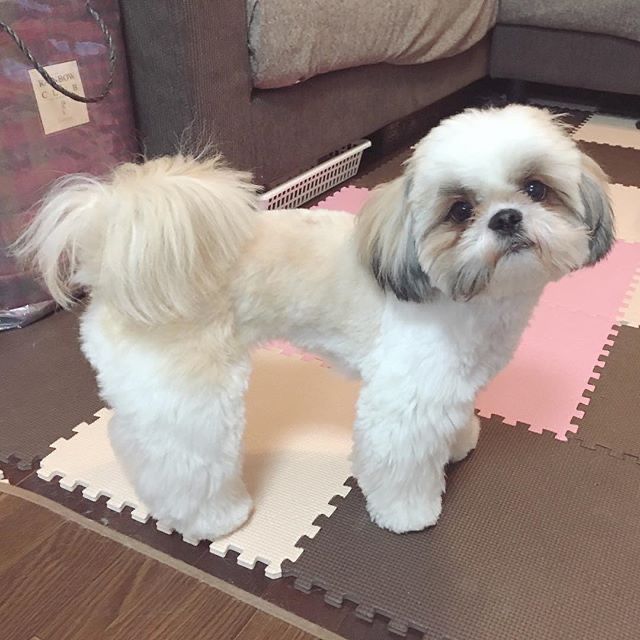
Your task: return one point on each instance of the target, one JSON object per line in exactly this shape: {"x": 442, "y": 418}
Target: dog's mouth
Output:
{"x": 518, "y": 245}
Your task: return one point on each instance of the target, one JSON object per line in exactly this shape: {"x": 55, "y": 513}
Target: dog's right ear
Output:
{"x": 386, "y": 242}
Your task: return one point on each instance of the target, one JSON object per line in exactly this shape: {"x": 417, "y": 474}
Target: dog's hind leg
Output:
{"x": 183, "y": 455}
{"x": 178, "y": 421}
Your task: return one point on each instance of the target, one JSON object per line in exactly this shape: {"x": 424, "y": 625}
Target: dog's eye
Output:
{"x": 536, "y": 190}
{"x": 460, "y": 211}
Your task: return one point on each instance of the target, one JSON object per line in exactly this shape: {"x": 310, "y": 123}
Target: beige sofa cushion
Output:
{"x": 609, "y": 17}
{"x": 292, "y": 40}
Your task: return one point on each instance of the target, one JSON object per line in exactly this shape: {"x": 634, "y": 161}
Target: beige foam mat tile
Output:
{"x": 626, "y": 208}
{"x": 299, "y": 419}
{"x": 611, "y": 130}
{"x": 87, "y": 460}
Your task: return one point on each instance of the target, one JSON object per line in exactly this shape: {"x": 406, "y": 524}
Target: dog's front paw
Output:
{"x": 402, "y": 517}
{"x": 216, "y": 520}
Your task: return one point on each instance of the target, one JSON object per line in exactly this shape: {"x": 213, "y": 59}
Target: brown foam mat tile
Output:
{"x": 612, "y": 417}
{"x": 622, "y": 164}
{"x": 383, "y": 171}
{"x": 538, "y": 540}
{"x": 565, "y": 105}
{"x": 572, "y": 117}
{"x": 47, "y": 387}
{"x": 12, "y": 474}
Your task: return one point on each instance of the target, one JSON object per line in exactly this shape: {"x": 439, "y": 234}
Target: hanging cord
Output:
{"x": 43, "y": 72}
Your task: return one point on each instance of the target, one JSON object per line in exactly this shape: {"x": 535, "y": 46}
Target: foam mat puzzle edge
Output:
{"x": 591, "y": 443}
{"x": 576, "y": 129}
{"x": 349, "y": 198}
{"x": 249, "y": 561}
{"x": 607, "y": 128}
{"x": 114, "y": 502}
{"x": 595, "y": 375}
{"x": 627, "y": 314}
{"x": 581, "y": 406}
{"x": 613, "y": 453}
{"x": 100, "y": 477}
{"x": 21, "y": 461}
{"x": 319, "y": 522}
{"x": 119, "y": 504}
{"x": 517, "y": 424}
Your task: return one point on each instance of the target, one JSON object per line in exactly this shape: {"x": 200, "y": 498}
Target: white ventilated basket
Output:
{"x": 341, "y": 166}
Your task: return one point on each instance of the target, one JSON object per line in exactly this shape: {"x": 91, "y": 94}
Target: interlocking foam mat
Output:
{"x": 540, "y": 534}
{"x": 611, "y": 130}
{"x": 538, "y": 539}
{"x": 46, "y": 388}
{"x": 612, "y": 419}
{"x": 528, "y": 547}
{"x": 296, "y": 458}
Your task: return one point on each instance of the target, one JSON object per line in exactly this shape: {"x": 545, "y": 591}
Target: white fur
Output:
{"x": 415, "y": 410}
{"x": 185, "y": 276}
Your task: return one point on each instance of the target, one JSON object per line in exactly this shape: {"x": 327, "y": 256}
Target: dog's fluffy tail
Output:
{"x": 156, "y": 239}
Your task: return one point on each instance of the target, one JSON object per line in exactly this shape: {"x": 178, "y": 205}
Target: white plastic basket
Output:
{"x": 341, "y": 166}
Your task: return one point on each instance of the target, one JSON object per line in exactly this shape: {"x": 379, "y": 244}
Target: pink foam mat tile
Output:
{"x": 348, "y": 199}
{"x": 287, "y": 349}
{"x": 546, "y": 380}
{"x": 598, "y": 290}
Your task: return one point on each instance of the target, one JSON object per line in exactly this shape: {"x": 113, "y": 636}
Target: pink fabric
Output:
{"x": 348, "y": 199}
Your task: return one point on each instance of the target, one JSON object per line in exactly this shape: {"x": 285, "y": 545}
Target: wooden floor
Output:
{"x": 62, "y": 581}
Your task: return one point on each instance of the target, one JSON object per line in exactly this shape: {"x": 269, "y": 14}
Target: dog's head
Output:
{"x": 493, "y": 201}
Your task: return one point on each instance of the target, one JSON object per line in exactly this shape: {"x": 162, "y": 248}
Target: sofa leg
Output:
{"x": 517, "y": 91}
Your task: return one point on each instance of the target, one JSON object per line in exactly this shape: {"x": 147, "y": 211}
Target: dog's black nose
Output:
{"x": 506, "y": 221}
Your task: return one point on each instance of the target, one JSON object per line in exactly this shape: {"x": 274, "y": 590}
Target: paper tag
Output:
{"x": 58, "y": 112}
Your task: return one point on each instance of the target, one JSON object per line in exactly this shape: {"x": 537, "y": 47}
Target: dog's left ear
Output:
{"x": 387, "y": 244}
{"x": 597, "y": 209}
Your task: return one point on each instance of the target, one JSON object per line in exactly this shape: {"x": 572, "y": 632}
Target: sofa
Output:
{"x": 195, "y": 69}
{"x": 276, "y": 85}
{"x": 584, "y": 44}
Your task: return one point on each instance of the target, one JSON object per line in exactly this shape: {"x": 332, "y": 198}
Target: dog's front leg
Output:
{"x": 401, "y": 446}
{"x": 465, "y": 439}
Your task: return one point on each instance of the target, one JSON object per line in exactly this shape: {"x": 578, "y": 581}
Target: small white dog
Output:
{"x": 424, "y": 297}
